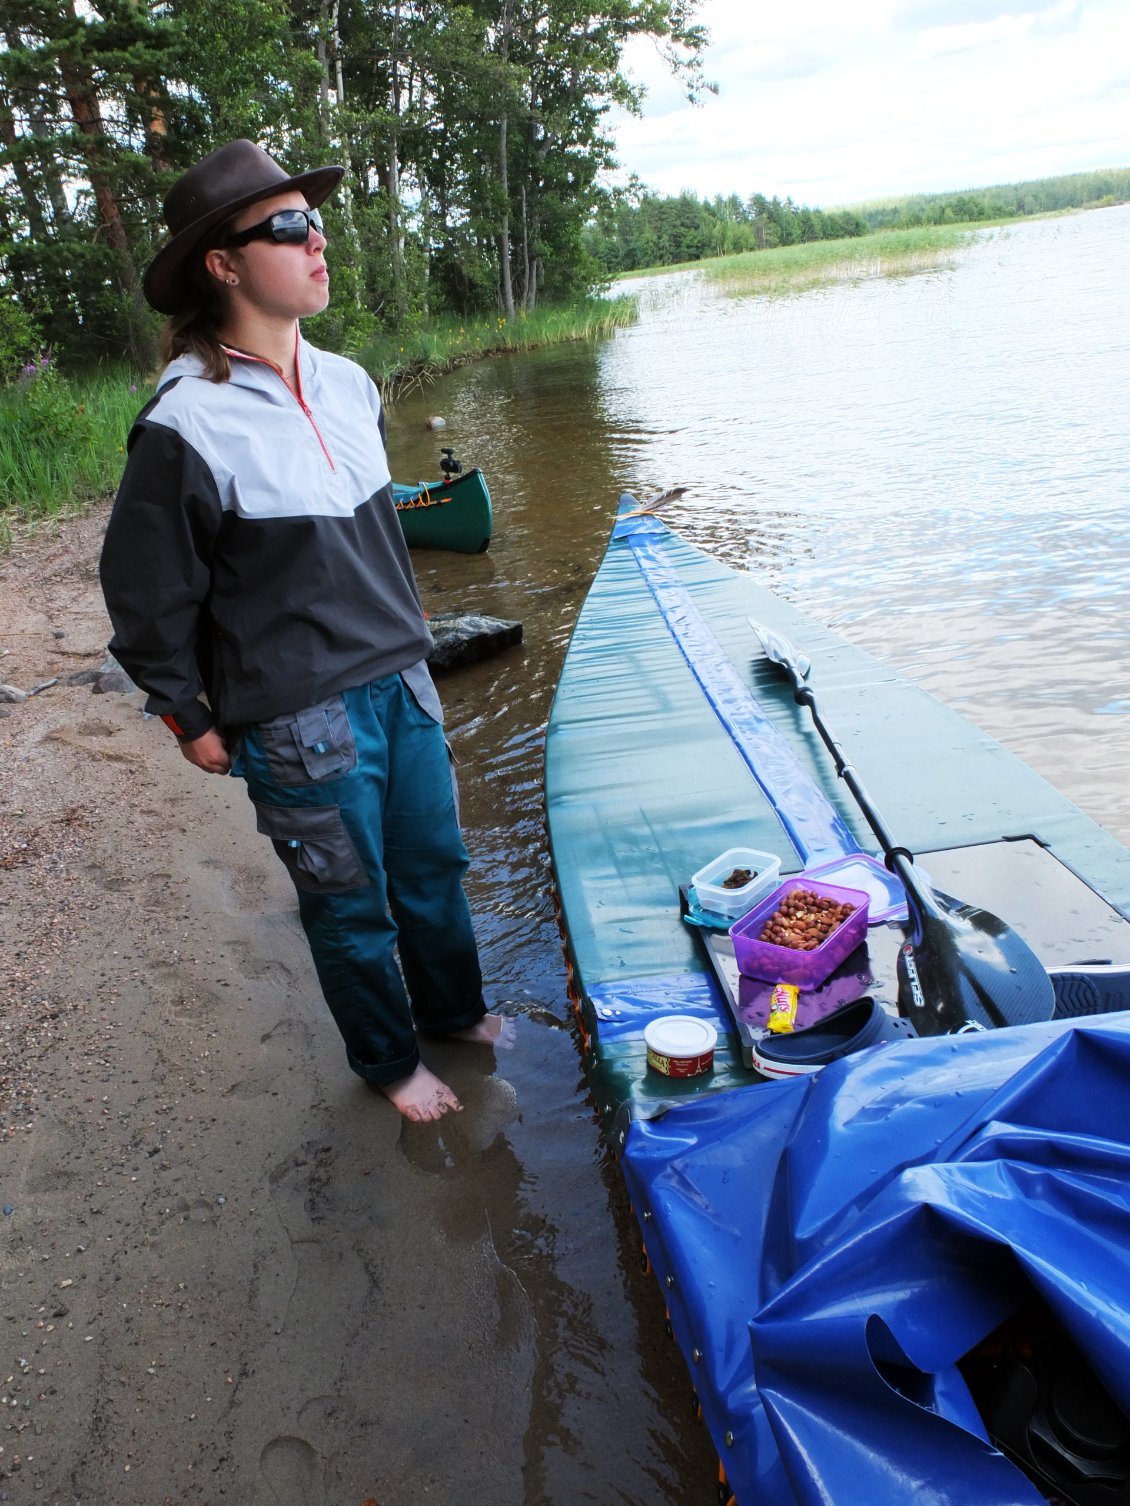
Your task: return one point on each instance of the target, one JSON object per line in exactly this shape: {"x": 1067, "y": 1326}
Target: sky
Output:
{"x": 841, "y": 101}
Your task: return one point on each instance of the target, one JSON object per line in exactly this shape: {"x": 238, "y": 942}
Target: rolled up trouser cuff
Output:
{"x": 380, "y": 1074}
{"x": 463, "y": 1022}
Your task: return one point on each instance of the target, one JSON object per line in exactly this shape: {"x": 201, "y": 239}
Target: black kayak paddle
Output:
{"x": 960, "y": 968}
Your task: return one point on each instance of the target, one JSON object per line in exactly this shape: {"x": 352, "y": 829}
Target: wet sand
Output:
{"x": 229, "y": 1271}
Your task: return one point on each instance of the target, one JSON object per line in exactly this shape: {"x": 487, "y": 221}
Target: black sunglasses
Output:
{"x": 286, "y": 227}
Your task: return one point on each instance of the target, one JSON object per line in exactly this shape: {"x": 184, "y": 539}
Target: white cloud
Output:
{"x": 834, "y": 103}
{"x": 1007, "y": 30}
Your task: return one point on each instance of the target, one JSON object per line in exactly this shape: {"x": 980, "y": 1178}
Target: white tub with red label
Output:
{"x": 679, "y": 1045}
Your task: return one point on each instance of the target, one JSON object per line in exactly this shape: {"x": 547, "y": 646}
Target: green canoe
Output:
{"x": 449, "y": 514}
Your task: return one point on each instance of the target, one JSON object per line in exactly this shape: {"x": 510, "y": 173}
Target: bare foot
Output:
{"x": 421, "y": 1097}
{"x": 491, "y": 1030}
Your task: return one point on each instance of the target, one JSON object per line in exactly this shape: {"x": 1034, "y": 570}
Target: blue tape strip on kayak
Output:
{"x": 815, "y": 827}
{"x": 621, "y": 1007}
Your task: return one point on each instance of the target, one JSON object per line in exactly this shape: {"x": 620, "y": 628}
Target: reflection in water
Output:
{"x": 540, "y": 1234}
{"x": 936, "y": 466}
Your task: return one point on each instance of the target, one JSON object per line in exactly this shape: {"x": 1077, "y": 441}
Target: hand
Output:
{"x": 208, "y": 753}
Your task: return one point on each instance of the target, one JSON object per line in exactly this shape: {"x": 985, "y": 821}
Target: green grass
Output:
{"x": 660, "y": 271}
{"x": 62, "y": 442}
{"x": 398, "y": 362}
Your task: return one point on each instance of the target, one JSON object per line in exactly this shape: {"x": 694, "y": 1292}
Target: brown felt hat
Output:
{"x": 218, "y": 187}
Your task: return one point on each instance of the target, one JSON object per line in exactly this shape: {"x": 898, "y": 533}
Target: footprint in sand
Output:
{"x": 283, "y": 1048}
{"x": 295, "y": 1472}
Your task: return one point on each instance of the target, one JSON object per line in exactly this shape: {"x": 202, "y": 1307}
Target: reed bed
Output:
{"x": 399, "y": 362}
{"x": 793, "y": 269}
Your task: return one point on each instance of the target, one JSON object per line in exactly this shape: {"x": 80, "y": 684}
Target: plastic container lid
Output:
{"x": 680, "y": 1035}
{"x": 859, "y": 870}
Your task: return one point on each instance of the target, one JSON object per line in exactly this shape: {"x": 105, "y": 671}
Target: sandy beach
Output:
{"x": 229, "y": 1271}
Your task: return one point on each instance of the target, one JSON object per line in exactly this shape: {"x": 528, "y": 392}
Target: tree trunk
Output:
{"x": 529, "y": 287}
{"x": 392, "y": 180}
{"x": 339, "y": 72}
{"x": 152, "y": 108}
{"x": 33, "y": 210}
{"x": 49, "y": 169}
{"x": 505, "y": 283}
{"x": 427, "y": 219}
{"x": 332, "y": 138}
{"x": 82, "y": 98}
{"x": 87, "y": 115}
{"x": 395, "y": 230}
{"x": 321, "y": 51}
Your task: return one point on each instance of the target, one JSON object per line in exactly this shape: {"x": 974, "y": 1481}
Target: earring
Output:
{"x": 232, "y": 281}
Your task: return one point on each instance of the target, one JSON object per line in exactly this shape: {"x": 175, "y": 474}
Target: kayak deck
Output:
{"x": 643, "y": 786}
{"x": 807, "y": 1234}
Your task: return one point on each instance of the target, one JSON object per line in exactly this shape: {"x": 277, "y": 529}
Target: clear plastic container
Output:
{"x": 781, "y": 964}
{"x": 707, "y": 882}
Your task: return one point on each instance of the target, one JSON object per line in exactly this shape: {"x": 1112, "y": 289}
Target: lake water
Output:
{"x": 938, "y": 466}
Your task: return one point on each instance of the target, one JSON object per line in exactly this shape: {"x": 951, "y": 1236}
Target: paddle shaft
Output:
{"x": 898, "y": 858}
{"x": 960, "y": 967}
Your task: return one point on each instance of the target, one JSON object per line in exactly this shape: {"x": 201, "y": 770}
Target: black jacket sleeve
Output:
{"x": 156, "y": 572}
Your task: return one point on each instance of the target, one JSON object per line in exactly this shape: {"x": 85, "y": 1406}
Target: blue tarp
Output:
{"x": 831, "y": 1247}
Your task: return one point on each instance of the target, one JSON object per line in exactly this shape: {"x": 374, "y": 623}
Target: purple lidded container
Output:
{"x": 781, "y": 964}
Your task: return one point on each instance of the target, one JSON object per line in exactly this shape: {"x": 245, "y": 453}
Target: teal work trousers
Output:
{"x": 358, "y": 797}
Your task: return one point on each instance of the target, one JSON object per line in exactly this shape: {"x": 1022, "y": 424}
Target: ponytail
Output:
{"x": 195, "y": 328}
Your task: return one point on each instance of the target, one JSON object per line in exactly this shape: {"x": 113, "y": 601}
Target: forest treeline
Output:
{"x": 472, "y": 132}
{"x": 644, "y": 229}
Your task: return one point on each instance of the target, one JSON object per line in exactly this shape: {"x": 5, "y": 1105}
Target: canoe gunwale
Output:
{"x": 454, "y": 513}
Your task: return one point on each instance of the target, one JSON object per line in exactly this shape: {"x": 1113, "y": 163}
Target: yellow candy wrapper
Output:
{"x": 782, "y": 1007}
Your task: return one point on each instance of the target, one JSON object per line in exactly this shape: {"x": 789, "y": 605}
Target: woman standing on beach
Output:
{"x": 262, "y": 595}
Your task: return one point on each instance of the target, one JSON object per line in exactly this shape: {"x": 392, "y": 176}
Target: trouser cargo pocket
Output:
{"x": 313, "y": 843}
{"x": 310, "y": 745}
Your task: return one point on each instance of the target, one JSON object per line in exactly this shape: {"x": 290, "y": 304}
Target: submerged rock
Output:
{"x": 466, "y": 637}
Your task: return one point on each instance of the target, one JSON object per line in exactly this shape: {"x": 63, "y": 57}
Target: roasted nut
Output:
{"x": 803, "y": 920}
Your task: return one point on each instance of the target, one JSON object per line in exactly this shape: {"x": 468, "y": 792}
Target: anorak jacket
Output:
{"x": 253, "y": 557}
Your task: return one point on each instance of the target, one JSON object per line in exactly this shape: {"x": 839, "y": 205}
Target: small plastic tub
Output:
{"x": 713, "y": 894}
{"x": 679, "y": 1045}
{"x": 782, "y": 964}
